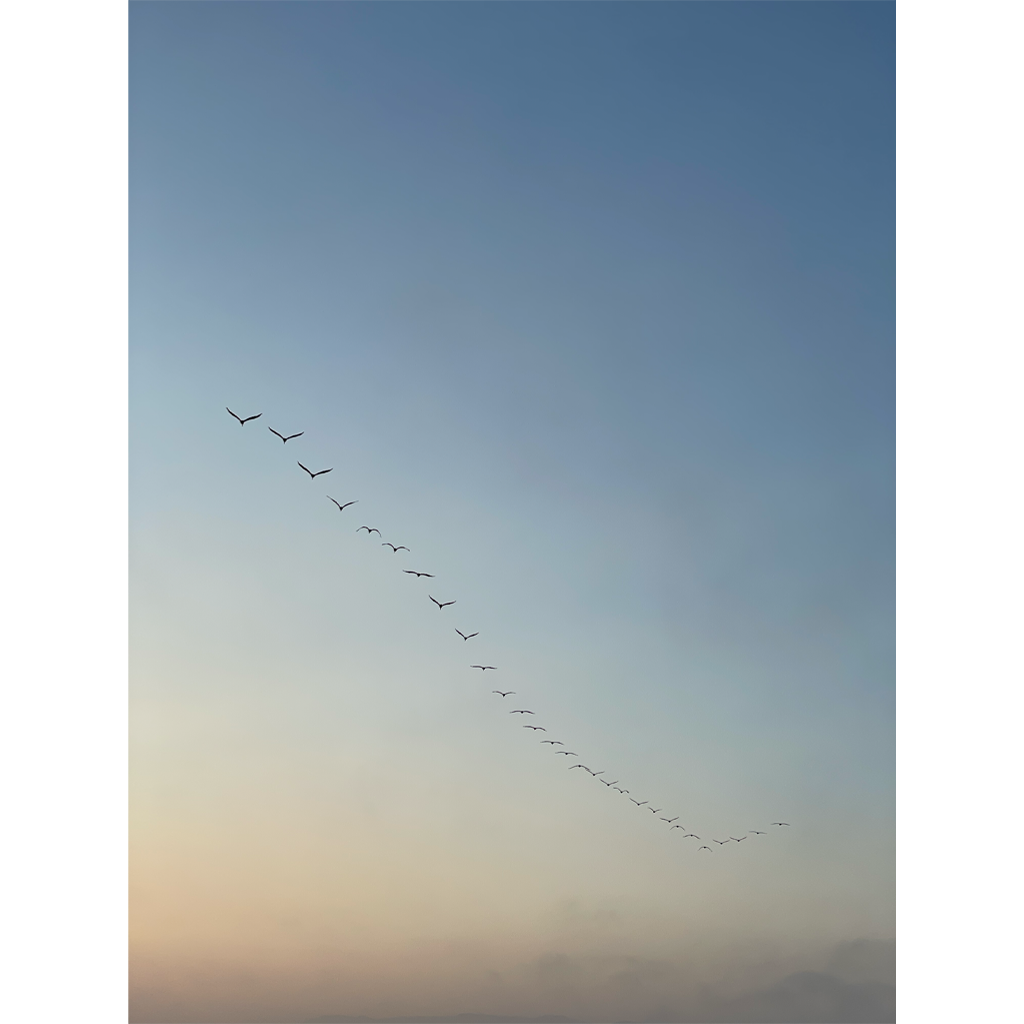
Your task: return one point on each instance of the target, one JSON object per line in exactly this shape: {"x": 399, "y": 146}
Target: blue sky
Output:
{"x": 590, "y": 305}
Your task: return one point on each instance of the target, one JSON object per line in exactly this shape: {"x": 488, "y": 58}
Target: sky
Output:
{"x": 591, "y": 307}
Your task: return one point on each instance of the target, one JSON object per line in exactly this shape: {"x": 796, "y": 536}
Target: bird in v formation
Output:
{"x": 441, "y": 605}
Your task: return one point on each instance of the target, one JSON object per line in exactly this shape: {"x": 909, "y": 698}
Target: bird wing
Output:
{"x": 309, "y": 471}
{"x": 235, "y": 414}
{"x": 320, "y": 472}
{"x": 291, "y": 436}
{"x": 401, "y": 547}
{"x": 247, "y": 418}
{"x": 273, "y": 431}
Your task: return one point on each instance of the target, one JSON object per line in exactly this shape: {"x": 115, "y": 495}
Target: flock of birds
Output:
{"x": 613, "y": 785}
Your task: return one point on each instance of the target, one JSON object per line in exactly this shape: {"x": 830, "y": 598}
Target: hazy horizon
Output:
{"x": 591, "y": 307}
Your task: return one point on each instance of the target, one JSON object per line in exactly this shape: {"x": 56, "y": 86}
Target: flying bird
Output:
{"x": 740, "y": 840}
{"x": 670, "y": 820}
{"x": 484, "y": 668}
{"x": 369, "y": 530}
{"x": 554, "y": 743}
{"x": 595, "y": 774}
{"x": 580, "y": 766}
{"x": 535, "y": 728}
{"x": 654, "y": 810}
{"x": 638, "y": 803}
{"x": 708, "y": 848}
{"x": 568, "y": 753}
{"x": 463, "y": 635}
{"x": 617, "y": 790}
{"x": 754, "y": 832}
{"x": 247, "y": 418}
{"x": 520, "y": 711}
{"x": 612, "y": 783}
{"x": 319, "y": 472}
{"x": 413, "y": 572}
{"x": 341, "y": 508}
{"x": 284, "y": 439}
{"x": 721, "y": 842}
{"x": 504, "y": 693}
{"x": 691, "y": 835}
{"x": 780, "y": 822}
{"x": 683, "y": 827}
{"x": 394, "y": 550}
{"x": 441, "y": 604}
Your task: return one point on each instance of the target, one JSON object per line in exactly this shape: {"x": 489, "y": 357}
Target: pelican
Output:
{"x": 441, "y": 605}
{"x": 289, "y": 437}
{"x": 319, "y": 472}
{"x": 247, "y": 418}
{"x": 464, "y": 636}
{"x": 341, "y": 508}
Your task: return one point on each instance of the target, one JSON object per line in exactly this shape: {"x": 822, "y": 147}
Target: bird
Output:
{"x": 554, "y": 743}
{"x": 535, "y": 728}
{"x": 341, "y": 508}
{"x": 740, "y": 840}
{"x": 670, "y": 820}
{"x": 369, "y": 530}
{"x": 284, "y": 439}
{"x": 568, "y": 753}
{"x": 464, "y": 636}
{"x": 691, "y": 835}
{"x": 484, "y": 668}
{"x": 440, "y": 604}
{"x": 780, "y": 822}
{"x": 708, "y": 848}
{"x": 520, "y": 711}
{"x": 721, "y": 842}
{"x": 638, "y": 802}
{"x": 394, "y": 550}
{"x": 595, "y": 774}
{"x": 654, "y": 810}
{"x": 683, "y": 827}
{"x": 754, "y": 832}
{"x": 319, "y": 472}
{"x": 579, "y": 766}
{"x": 503, "y": 693}
{"x": 608, "y": 783}
{"x": 617, "y": 790}
{"x": 247, "y": 418}
{"x": 413, "y": 572}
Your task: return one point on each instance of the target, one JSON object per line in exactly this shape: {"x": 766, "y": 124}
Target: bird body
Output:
{"x": 246, "y": 419}
{"x": 319, "y": 472}
{"x": 284, "y": 439}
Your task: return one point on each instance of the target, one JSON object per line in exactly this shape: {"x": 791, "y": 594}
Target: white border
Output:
{"x": 63, "y": 90}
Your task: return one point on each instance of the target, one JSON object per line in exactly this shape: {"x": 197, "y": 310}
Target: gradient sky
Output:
{"x": 591, "y": 306}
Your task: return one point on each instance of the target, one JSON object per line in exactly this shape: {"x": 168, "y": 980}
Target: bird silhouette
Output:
{"x": 535, "y": 728}
{"x": 554, "y": 743}
{"x": 394, "y": 549}
{"x": 606, "y": 783}
{"x": 247, "y": 418}
{"x": 708, "y": 848}
{"x": 440, "y": 604}
{"x": 369, "y": 530}
{"x": 683, "y": 827}
{"x": 721, "y": 842}
{"x": 638, "y": 802}
{"x": 583, "y": 766}
{"x": 617, "y": 790}
{"x": 284, "y": 439}
{"x": 319, "y": 472}
{"x": 670, "y": 820}
{"x": 464, "y": 636}
{"x": 754, "y": 831}
{"x": 595, "y": 774}
{"x": 780, "y": 822}
{"x": 341, "y": 508}
{"x": 413, "y": 572}
{"x": 568, "y": 753}
{"x": 484, "y": 668}
{"x": 691, "y": 835}
{"x": 504, "y": 693}
{"x": 654, "y": 810}
{"x": 520, "y": 711}
{"x": 740, "y": 840}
